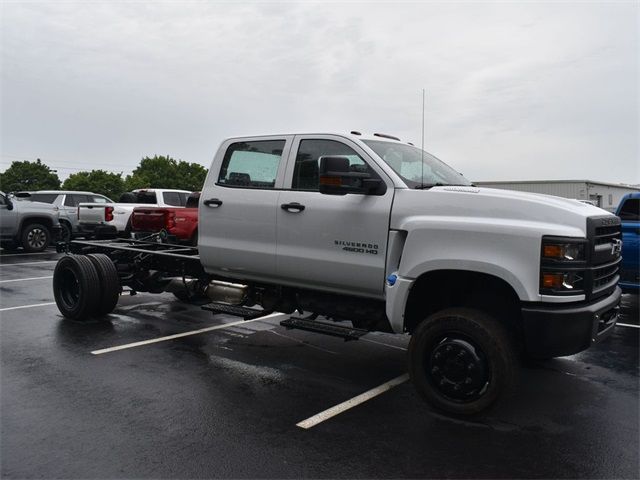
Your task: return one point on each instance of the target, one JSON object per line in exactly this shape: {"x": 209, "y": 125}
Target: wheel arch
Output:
{"x": 444, "y": 288}
{"x": 27, "y": 220}
{"x": 64, "y": 221}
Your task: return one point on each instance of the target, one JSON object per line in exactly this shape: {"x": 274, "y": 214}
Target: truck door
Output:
{"x": 8, "y": 217}
{"x": 238, "y": 205}
{"x": 331, "y": 242}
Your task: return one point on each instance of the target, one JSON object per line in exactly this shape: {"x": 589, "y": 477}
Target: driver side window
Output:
{"x": 307, "y": 166}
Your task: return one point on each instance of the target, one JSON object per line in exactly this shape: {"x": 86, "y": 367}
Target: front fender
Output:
{"x": 509, "y": 250}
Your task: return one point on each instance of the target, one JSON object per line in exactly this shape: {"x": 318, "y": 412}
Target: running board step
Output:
{"x": 235, "y": 310}
{"x": 322, "y": 327}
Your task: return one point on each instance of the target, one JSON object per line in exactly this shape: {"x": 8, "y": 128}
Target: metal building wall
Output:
{"x": 608, "y": 196}
{"x": 566, "y": 190}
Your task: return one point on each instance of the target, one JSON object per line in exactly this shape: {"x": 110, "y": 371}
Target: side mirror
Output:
{"x": 9, "y": 203}
{"x": 336, "y": 178}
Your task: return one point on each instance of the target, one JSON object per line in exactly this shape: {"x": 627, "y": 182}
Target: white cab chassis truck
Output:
{"x": 378, "y": 233}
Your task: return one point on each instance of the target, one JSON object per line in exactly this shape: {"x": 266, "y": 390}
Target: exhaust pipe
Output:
{"x": 216, "y": 291}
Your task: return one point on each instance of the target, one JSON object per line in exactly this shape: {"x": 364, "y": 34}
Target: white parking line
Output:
{"x": 344, "y": 406}
{"x": 27, "y": 306}
{"x": 627, "y": 325}
{"x": 26, "y": 263}
{"x": 23, "y": 254}
{"x": 25, "y": 279}
{"x": 184, "y": 334}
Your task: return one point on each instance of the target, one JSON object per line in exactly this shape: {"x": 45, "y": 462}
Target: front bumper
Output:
{"x": 559, "y": 330}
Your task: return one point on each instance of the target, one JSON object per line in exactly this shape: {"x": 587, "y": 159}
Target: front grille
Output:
{"x": 604, "y": 235}
{"x": 606, "y": 275}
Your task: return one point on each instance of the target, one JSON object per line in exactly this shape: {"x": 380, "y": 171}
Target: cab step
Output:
{"x": 235, "y": 310}
{"x": 348, "y": 333}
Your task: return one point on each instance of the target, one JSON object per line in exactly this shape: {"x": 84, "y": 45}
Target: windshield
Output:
{"x": 405, "y": 160}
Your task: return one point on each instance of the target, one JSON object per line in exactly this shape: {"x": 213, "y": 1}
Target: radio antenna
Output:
{"x": 422, "y": 148}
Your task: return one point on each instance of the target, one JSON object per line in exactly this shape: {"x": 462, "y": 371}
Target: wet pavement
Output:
{"x": 225, "y": 403}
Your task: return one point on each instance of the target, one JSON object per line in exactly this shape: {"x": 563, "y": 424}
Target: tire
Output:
{"x": 76, "y": 287}
{"x": 462, "y": 360}
{"x": 35, "y": 237}
{"x": 65, "y": 232}
{"x": 109, "y": 283}
{"x": 194, "y": 239}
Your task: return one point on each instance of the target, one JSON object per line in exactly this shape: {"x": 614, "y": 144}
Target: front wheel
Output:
{"x": 462, "y": 360}
{"x": 35, "y": 238}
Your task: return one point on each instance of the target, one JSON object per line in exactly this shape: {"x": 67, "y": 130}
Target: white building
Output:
{"x": 605, "y": 195}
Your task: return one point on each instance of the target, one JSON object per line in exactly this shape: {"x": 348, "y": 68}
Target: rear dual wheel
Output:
{"x": 85, "y": 286}
{"x": 462, "y": 360}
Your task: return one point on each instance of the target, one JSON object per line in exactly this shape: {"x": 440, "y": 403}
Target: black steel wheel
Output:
{"x": 76, "y": 287}
{"x": 462, "y": 360}
{"x": 65, "y": 232}
{"x": 35, "y": 237}
{"x": 109, "y": 282}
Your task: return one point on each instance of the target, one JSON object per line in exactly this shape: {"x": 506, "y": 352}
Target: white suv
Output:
{"x": 67, "y": 202}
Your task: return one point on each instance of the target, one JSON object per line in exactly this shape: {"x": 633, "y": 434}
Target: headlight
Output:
{"x": 562, "y": 265}
{"x": 562, "y": 251}
{"x": 561, "y": 281}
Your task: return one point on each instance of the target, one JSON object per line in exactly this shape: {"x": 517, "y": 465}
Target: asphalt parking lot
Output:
{"x": 231, "y": 401}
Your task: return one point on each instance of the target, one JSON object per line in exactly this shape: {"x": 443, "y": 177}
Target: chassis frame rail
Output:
{"x": 172, "y": 259}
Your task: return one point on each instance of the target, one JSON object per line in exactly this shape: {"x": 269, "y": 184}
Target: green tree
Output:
{"x": 166, "y": 172}
{"x": 97, "y": 181}
{"x": 28, "y": 176}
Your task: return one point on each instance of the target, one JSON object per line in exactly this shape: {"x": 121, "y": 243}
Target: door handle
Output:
{"x": 213, "y": 202}
{"x": 294, "y": 207}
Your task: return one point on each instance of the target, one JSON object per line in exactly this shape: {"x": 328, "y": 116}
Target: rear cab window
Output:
{"x": 74, "y": 199}
{"x": 193, "y": 200}
{"x": 175, "y": 199}
{"x": 630, "y": 210}
{"x": 97, "y": 199}
{"x": 251, "y": 164}
{"x": 42, "y": 197}
{"x": 148, "y": 198}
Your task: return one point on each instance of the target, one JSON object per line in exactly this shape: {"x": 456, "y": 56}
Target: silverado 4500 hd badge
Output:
{"x": 357, "y": 247}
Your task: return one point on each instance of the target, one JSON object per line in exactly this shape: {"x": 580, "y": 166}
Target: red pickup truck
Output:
{"x": 179, "y": 223}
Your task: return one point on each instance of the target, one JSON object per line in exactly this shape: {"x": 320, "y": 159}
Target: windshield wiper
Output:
{"x": 426, "y": 186}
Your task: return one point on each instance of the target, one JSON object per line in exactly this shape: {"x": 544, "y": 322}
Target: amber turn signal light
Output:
{"x": 333, "y": 181}
{"x": 552, "y": 280}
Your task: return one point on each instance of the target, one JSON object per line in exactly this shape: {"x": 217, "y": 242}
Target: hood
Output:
{"x": 492, "y": 204}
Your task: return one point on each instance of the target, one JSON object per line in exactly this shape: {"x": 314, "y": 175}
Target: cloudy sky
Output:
{"x": 515, "y": 91}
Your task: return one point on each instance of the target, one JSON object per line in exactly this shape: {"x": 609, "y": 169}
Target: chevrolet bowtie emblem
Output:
{"x": 616, "y": 247}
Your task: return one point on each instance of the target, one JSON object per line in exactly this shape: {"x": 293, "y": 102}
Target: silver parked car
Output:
{"x": 32, "y": 225}
{"x": 67, "y": 201}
